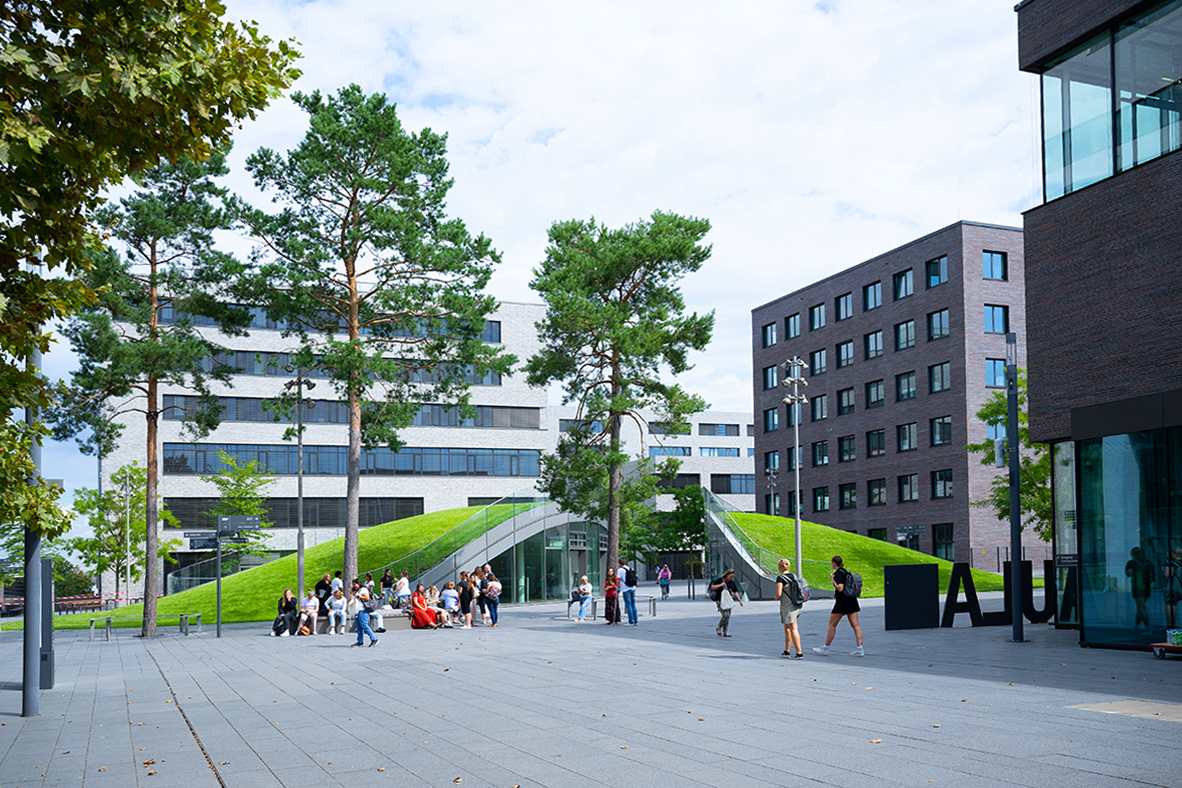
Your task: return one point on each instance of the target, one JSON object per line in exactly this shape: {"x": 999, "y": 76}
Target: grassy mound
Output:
{"x": 252, "y": 595}
{"x": 861, "y": 554}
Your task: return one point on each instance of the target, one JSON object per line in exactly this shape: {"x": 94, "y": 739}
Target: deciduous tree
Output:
{"x": 615, "y": 319}
{"x": 1034, "y": 466}
{"x": 240, "y": 492}
{"x": 361, "y": 265}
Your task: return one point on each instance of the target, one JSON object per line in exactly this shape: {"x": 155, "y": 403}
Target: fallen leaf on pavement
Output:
{"x": 876, "y": 741}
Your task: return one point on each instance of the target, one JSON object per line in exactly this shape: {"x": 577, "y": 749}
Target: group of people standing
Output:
{"x": 619, "y": 590}
{"x": 473, "y": 601}
{"x": 725, "y": 591}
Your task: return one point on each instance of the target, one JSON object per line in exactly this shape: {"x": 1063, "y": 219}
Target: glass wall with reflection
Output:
{"x": 549, "y": 564}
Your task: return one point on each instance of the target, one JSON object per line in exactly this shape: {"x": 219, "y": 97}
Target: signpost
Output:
{"x": 228, "y": 526}
{"x": 203, "y": 544}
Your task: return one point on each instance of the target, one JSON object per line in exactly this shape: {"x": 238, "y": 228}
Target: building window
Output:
{"x": 907, "y": 437}
{"x": 732, "y": 483}
{"x": 939, "y": 377}
{"x": 750, "y": 430}
{"x": 817, "y": 362}
{"x": 942, "y": 541}
{"x": 995, "y": 432}
{"x": 792, "y": 326}
{"x": 873, "y": 344}
{"x": 876, "y": 443}
{"x": 722, "y": 430}
{"x": 938, "y": 325}
{"x": 845, "y": 402}
{"x": 997, "y": 319}
{"x": 820, "y": 407}
{"x": 877, "y": 533}
{"x": 771, "y": 504}
{"x": 679, "y": 482}
{"x": 816, "y": 317}
{"x": 821, "y": 453}
{"x": 875, "y": 393}
{"x": 771, "y": 420}
{"x": 845, "y": 354}
{"x": 905, "y": 386}
{"x": 566, "y": 425}
{"x": 718, "y": 451}
{"x": 769, "y": 335}
{"x": 848, "y": 496}
{"x": 941, "y": 430}
{"x": 995, "y": 372}
{"x": 905, "y": 335}
{"x": 937, "y": 271}
{"x": 670, "y": 451}
{"x": 994, "y": 265}
{"x": 903, "y": 284}
{"x": 820, "y": 499}
{"x": 771, "y": 460}
{"x": 876, "y": 492}
{"x": 942, "y": 484}
{"x": 844, "y": 306}
{"x": 909, "y": 488}
{"x": 846, "y": 449}
{"x": 871, "y": 296}
{"x": 794, "y": 457}
{"x": 771, "y": 377}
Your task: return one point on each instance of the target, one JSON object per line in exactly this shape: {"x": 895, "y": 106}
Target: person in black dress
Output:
{"x": 288, "y": 610}
{"x": 843, "y": 606}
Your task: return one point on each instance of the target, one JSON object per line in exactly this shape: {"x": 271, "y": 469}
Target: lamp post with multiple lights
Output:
{"x": 794, "y": 376}
{"x": 299, "y": 384}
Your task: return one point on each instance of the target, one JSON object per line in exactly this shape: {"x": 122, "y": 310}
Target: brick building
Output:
{"x": 1104, "y": 282}
{"x": 903, "y": 350}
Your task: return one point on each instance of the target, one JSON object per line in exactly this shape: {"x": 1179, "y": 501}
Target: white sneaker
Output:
{"x": 284, "y": 633}
{"x": 858, "y": 652}
{"x": 822, "y": 650}
{"x": 465, "y": 627}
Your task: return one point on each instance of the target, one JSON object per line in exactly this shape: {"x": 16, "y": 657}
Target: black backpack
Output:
{"x": 852, "y": 585}
{"x": 715, "y": 593}
{"x": 630, "y": 578}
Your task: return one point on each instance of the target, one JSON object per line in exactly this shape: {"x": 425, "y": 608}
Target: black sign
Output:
{"x": 200, "y": 535}
{"x": 203, "y": 544}
{"x": 233, "y": 523}
{"x": 235, "y": 540}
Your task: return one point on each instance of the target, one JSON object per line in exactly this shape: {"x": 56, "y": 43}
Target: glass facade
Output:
{"x": 547, "y": 565}
{"x": 282, "y": 459}
{"x": 1129, "y": 497}
{"x": 1127, "y": 82}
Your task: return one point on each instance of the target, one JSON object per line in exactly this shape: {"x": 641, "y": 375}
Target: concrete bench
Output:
{"x": 187, "y": 619}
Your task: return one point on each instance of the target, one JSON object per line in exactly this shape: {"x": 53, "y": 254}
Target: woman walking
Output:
{"x": 493, "y": 597}
{"x": 843, "y": 606}
{"x": 789, "y": 610}
{"x": 728, "y": 594}
{"x": 611, "y": 610}
{"x": 664, "y": 577}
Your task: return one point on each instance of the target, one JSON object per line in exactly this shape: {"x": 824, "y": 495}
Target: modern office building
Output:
{"x": 1104, "y": 288}
{"x": 903, "y": 350}
{"x": 447, "y": 461}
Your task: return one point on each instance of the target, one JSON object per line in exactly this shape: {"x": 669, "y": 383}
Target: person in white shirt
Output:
{"x": 337, "y": 583}
{"x": 336, "y": 613}
{"x": 402, "y": 591}
{"x": 308, "y": 612}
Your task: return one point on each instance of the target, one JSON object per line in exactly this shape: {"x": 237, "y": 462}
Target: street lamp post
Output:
{"x": 770, "y": 476}
{"x": 127, "y": 538}
{"x": 299, "y": 384}
{"x": 1015, "y": 485}
{"x": 794, "y": 376}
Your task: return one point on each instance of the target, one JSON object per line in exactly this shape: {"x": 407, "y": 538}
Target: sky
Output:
{"x": 812, "y": 136}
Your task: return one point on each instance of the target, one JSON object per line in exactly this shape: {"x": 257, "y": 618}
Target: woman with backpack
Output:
{"x": 725, "y": 592}
{"x": 493, "y": 597}
{"x": 787, "y": 586}
{"x": 846, "y": 587}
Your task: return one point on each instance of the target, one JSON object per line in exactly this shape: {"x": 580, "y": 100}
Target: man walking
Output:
{"x": 627, "y": 579}
{"x": 364, "y": 604}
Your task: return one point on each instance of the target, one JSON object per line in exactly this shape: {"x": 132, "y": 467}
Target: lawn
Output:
{"x": 861, "y": 554}
{"x": 252, "y": 595}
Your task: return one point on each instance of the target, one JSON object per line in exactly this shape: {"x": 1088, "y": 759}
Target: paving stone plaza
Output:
{"x": 543, "y": 701}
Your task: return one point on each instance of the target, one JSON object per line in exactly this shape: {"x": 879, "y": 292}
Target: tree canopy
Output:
{"x": 91, "y": 92}
{"x": 615, "y": 322}
{"x": 360, "y": 263}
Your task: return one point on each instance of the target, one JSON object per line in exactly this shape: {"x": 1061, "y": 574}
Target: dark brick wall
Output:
{"x": 964, "y": 295}
{"x": 1045, "y": 27}
{"x": 1104, "y": 293}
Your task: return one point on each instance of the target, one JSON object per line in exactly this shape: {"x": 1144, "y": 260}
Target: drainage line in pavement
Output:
{"x": 176, "y": 702}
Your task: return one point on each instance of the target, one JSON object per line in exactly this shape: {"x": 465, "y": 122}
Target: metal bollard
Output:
{"x": 108, "y": 627}
{"x": 594, "y": 604}
{"x": 652, "y": 606}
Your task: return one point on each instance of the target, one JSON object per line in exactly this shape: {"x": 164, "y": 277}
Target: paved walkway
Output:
{"x": 542, "y": 701}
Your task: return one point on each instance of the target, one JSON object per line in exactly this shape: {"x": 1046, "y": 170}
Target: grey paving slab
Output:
{"x": 541, "y": 701}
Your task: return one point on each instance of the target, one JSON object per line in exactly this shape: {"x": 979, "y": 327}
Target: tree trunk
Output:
{"x": 353, "y": 488}
{"x": 150, "y": 538}
{"x": 615, "y": 476}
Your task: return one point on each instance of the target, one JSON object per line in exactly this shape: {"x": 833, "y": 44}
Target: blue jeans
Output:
{"x": 363, "y": 627}
{"x": 584, "y": 606}
{"x": 630, "y": 604}
{"x": 492, "y": 608}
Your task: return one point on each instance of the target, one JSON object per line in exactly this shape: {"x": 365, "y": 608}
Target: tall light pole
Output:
{"x": 794, "y": 376}
{"x": 127, "y": 537}
{"x": 1015, "y": 485}
{"x": 299, "y": 384}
